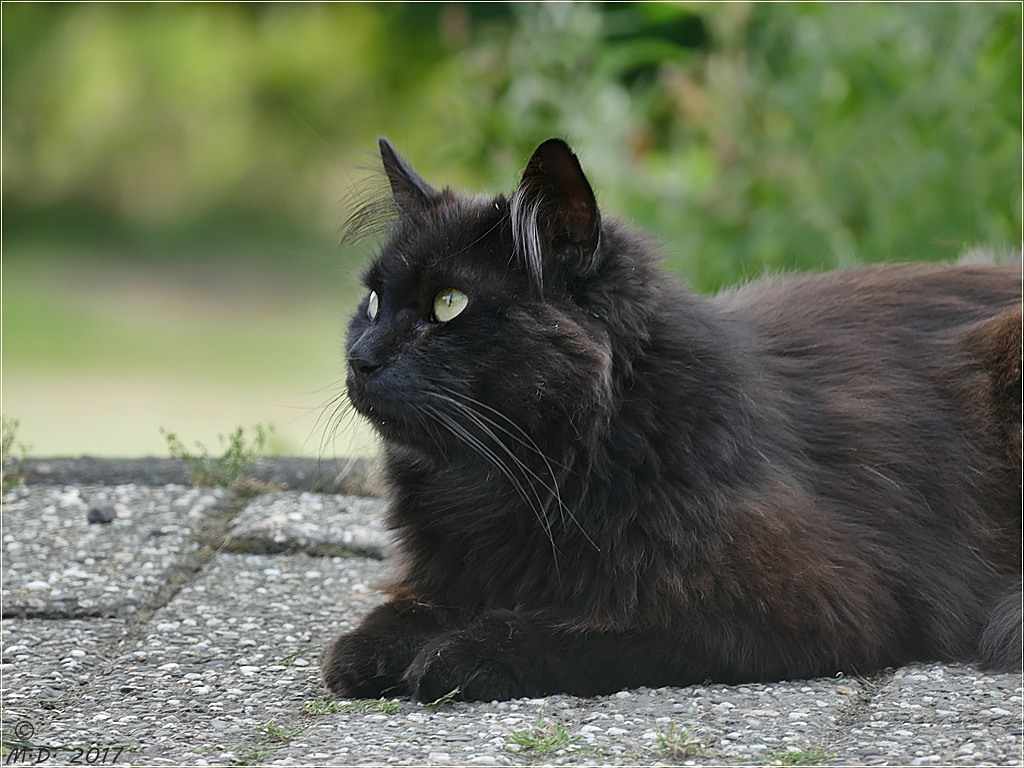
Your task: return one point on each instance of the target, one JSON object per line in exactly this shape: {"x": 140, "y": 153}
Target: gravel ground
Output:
{"x": 57, "y": 564}
{"x": 188, "y": 629}
{"x": 314, "y": 523}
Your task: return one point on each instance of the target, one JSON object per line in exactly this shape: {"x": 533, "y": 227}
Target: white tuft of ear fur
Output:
{"x": 526, "y": 238}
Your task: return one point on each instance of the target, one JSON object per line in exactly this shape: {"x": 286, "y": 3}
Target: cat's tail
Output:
{"x": 998, "y": 344}
{"x": 1001, "y": 647}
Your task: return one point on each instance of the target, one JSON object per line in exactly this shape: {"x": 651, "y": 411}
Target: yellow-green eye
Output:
{"x": 448, "y": 304}
{"x": 372, "y": 304}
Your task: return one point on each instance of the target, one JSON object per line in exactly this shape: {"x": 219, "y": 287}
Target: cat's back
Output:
{"x": 887, "y": 299}
{"x": 914, "y": 367}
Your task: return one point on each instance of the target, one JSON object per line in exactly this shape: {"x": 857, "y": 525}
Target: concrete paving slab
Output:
{"x": 221, "y": 666}
{"x": 802, "y": 722}
{"x": 318, "y": 524}
{"x": 58, "y": 564}
{"x": 938, "y": 715}
{"x": 232, "y": 658}
{"x": 46, "y": 662}
{"x": 706, "y": 724}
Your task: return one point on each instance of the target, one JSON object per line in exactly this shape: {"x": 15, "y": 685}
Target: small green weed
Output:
{"x": 249, "y": 756}
{"x": 676, "y": 743}
{"x": 323, "y": 707}
{"x": 12, "y": 460}
{"x": 811, "y": 756}
{"x": 275, "y": 732}
{"x": 542, "y": 739}
{"x": 449, "y": 698}
{"x": 227, "y": 469}
{"x": 380, "y": 706}
{"x": 289, "y": 660}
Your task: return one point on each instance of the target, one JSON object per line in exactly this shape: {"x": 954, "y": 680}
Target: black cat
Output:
{"x": 599, "y": 480}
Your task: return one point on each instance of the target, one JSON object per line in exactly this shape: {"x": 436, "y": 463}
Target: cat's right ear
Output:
{"x": 412, "y": 194}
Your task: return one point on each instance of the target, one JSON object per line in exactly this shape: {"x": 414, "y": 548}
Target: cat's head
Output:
{"x": 485, "y": 316}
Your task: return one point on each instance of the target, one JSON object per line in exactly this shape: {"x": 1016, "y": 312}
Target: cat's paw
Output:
{"x": 468, "y": 666}
{"x": 369, "y": 662}
{"x": 358, "y": 666}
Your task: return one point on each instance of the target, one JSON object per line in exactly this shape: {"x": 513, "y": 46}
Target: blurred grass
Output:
{"x": 99, "y": 354}
{"x": 174, "y": 175}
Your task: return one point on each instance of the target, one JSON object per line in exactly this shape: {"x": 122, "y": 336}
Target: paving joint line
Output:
{"x": 180, "y": 575}
{"x": 857, "y": 709}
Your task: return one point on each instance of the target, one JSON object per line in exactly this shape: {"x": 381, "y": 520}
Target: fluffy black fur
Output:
{"x": 600, "y": 480}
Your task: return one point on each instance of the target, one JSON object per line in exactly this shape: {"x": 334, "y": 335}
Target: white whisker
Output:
{"x": 484, "y": 424}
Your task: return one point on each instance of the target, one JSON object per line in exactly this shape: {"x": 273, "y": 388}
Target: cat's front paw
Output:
{"x": 456, "y": 665}
{"x": 369, "y": 662}
{"x": 489, "y": 660}
{"x": 357, "y": 666}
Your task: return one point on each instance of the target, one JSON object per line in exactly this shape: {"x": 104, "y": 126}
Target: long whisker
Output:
{"x": 481, "y": 421}
{"x": 484, "y": 425}
{"x": 477, "y": 445}
{"x": 334, "y": 414}
{"x": 467, "y": 437}
{"x": 536, "y": 506}
{"x": 521, "y": 435}
{"x": 525, "y": 440}
{"x": 333, "y": 404}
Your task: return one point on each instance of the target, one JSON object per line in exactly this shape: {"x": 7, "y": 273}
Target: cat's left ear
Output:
{"x": 412, "y": 194}
{"x": 554, "y": 212}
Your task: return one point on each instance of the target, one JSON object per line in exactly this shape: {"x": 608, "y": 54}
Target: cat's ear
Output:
{"x": 554, "y": 212}
{"x": 412, "y": 194}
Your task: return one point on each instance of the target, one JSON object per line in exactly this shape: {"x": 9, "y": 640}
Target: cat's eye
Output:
{"x": 448, "y": 304}
{"x": 372, "y": 305}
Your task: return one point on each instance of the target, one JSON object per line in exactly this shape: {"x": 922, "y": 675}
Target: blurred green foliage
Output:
{"x": 746, "y": 136}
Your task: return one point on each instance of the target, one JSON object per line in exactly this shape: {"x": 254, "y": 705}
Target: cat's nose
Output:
{"x": 362, "y": 365}
{"x": 367, "y": 354}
